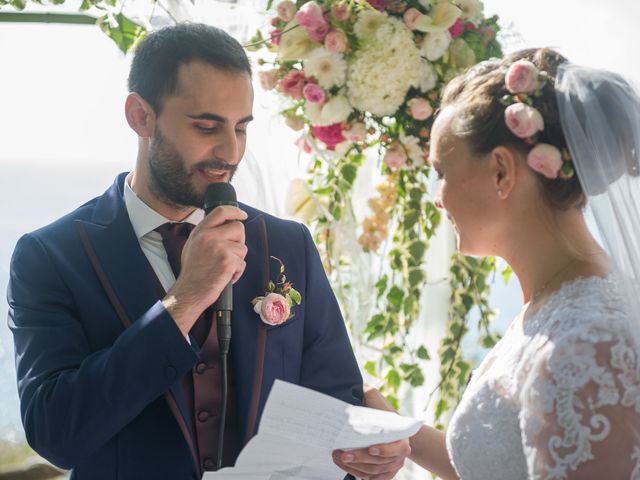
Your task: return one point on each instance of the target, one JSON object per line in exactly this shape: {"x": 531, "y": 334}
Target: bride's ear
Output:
{"x": 140, "y": 115}
{"x": 504, "y": 170}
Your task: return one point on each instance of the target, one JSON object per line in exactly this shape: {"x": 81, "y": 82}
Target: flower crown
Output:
{"x": 525, "y": 82}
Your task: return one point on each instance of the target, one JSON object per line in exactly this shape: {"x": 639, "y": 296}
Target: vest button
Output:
{"x": 208, "y": 464}
{"x": 201, "y": 367}
{"x": 203, "y": 415}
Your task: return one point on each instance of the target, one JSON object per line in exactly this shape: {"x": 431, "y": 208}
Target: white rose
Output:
{"x": 286, "y": 10}
{"x": 336, "y": 110}
{"x": 435, "y": 44}
{"x": 428, "y": 77}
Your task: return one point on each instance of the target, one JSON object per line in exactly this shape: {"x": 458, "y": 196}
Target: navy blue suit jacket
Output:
{"x": 99, "y": 359}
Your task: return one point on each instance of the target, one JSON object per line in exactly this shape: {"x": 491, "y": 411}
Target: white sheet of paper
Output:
{"x": 300, "y": 428}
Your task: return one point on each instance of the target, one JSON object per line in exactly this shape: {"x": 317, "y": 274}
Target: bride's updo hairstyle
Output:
{"x": 479, "y": 117}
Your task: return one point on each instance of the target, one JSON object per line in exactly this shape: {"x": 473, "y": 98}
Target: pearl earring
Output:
{"x": 500, "y": 192}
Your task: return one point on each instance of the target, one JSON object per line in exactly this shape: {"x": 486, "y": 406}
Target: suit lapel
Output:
{"x": 124, "y": 272}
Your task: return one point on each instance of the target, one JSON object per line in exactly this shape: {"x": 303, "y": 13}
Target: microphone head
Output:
{"x": 219, "y": 194}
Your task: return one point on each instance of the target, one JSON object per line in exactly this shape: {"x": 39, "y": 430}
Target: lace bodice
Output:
{"x": 557, "y": 391}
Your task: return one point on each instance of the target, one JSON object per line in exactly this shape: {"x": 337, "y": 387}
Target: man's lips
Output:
{"x": 214, "y": 175}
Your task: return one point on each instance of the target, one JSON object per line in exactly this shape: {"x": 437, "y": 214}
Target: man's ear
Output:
{"x": 504, "y": 169}
{"x": 140, "y": 115}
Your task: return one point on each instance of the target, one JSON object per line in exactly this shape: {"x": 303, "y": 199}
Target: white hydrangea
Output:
{"x": 383, "y": 70}
{"x": 435, "y": 44}
{"x": 368, "y": 23}
{"x": 336, "y": 110}
{"x": 328, "y": 68}
{"x": 414, "y": 151}
{"x": 428, "y": 77}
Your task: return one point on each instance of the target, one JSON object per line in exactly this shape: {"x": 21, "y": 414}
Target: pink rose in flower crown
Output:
{"x": 545, "y": 159}
{"x": 286, "y": 10}
{"x": 420, "y": 108}
{"x": 292, "y": 84}
{"x": 340, "y": 11}
{"x": 336, "y": 41}
{"x": 268, "y": 79}
{"x": 523, "y": 121}
{"x": 522, "y": 77}
{"x": 395, "y": 156}
{"x": 330, "y": 135}
{"x": 273, "y": 309}
{"x": 314, "y": 93}
{"x": 457, "y": 28}
{"x": 310, "y": 16}
{"x": 410, "y": 17}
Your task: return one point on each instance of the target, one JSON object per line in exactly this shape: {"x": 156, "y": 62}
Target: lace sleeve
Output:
{"x": 580, "y": 416}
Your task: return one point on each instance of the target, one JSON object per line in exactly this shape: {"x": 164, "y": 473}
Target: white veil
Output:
{"x": 600, "y": 116}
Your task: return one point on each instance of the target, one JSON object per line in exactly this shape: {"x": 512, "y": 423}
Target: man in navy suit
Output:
{"x": 117, "y": 371}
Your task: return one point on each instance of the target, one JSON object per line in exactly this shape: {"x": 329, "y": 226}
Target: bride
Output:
{"x": 520, "y": 145}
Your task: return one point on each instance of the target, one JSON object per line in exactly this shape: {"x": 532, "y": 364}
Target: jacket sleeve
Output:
{"x": 328, "y": 363}
{"x": 74, "y": 400}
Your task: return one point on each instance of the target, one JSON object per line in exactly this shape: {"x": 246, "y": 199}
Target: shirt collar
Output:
{"x": 145, "y": 219}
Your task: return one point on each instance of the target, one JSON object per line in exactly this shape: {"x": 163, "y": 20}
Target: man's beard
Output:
{"x": 171, "y": 183}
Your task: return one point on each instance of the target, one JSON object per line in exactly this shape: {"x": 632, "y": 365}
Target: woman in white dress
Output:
{"x": 520, "y": 145}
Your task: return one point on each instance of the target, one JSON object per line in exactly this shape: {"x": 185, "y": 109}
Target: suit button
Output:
{"x": 201, "y": 367}
{"x": 208, "y": 464}
{"x": 203, "y": 415}
{"x": 170, "y": 372}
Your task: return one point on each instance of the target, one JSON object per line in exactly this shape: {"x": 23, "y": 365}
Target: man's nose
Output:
{"x": 229, "y": 149}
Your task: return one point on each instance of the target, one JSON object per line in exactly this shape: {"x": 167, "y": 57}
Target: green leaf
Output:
{"x": 349, "y": 173}
{"x": 423, "y": 353}
{"x": 393, "y": 380}
{"x": 395, "y": 296}
{"x": 86, "y": 5}
{"x": 381, "y": 285}
{"x": 416, "y": 277}
{"x": 441, "y": 407}
{"x": 417, "y": 249}
{"x": 506, "y": 274}
{"x": 410, "y": 219}
{"x": 256, "y": 42}
{"x": 295, "y": 296}
{"x": 324, "y": 190}
{"x": 19, "y": 4}
{"x": 126, "y": 34}
{"x": 269, "y": 4}
{"x": 370, "y": 368}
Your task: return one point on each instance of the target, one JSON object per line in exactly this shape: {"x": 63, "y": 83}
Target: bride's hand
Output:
{"x": 378, "y": 462}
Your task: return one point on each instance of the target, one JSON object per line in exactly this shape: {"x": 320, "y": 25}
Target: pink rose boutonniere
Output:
{"x": 275, "y": 306}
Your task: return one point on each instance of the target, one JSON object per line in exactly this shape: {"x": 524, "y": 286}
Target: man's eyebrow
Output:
{"x": 217, "y": 118}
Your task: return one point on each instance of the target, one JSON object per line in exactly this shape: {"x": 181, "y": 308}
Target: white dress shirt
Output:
{"x": 145, "y": 220}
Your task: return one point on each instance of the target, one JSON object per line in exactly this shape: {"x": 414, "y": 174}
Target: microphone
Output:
{"x": 219, "y": 194}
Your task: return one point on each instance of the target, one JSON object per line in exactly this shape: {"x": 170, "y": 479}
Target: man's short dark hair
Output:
{"x": 154, "y": 69}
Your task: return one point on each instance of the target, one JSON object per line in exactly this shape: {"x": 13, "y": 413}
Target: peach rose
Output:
{"x": 522, "y": 77}
{"x": 286, "y": 10}
{"x": 340, "y": 11}
{"x": 273, "y": 309}
{"x": 523, "y": 121}
{"x": 395, "y": 157}
{"x": 355, "y": 132}
{"x": 292, "y": 84}
{"x": 410, "y": 17}
{"x": 420, "y": 108}
{"x": 336, "y": 41}
{"x": 545, "y": 159}
{"x": 268, "y": 79}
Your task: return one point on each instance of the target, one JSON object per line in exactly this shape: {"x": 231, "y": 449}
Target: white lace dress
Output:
{"x": 557, "y": 391}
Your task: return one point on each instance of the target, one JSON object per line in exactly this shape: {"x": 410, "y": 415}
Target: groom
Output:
{"x": 118, "y": 366}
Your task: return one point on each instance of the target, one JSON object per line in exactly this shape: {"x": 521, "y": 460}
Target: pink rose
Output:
{"x": 268, "y": 79}
{"x": 336, "y": 41}
{"x": 275, "y": 36}
{"x": 522, "y": 77}
{"x": 410, "y": 17}
{"x": 523, "y": 121}
{"x": 292, "y": 84}
{"x": 310, "y": 15}
{"x": 286, "y": 10}
{"x": 330, "y": 135}
{"x": 356, "y": 132}
{"x": 313, "y": 93}
{"x": 274, "y": 309}
{"x": 420, "y": 108}
{"x": 457, "y": 28}
{"x": 545, "y": 159}
{"x": 340, "y": 11}
{"x": 318, "y": 32}
{"x": 302, "y": 144}
{"x": 395, "y": 156}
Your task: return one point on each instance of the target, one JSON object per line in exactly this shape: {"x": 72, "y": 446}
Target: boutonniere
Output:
{"x": 275, "y": 306}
